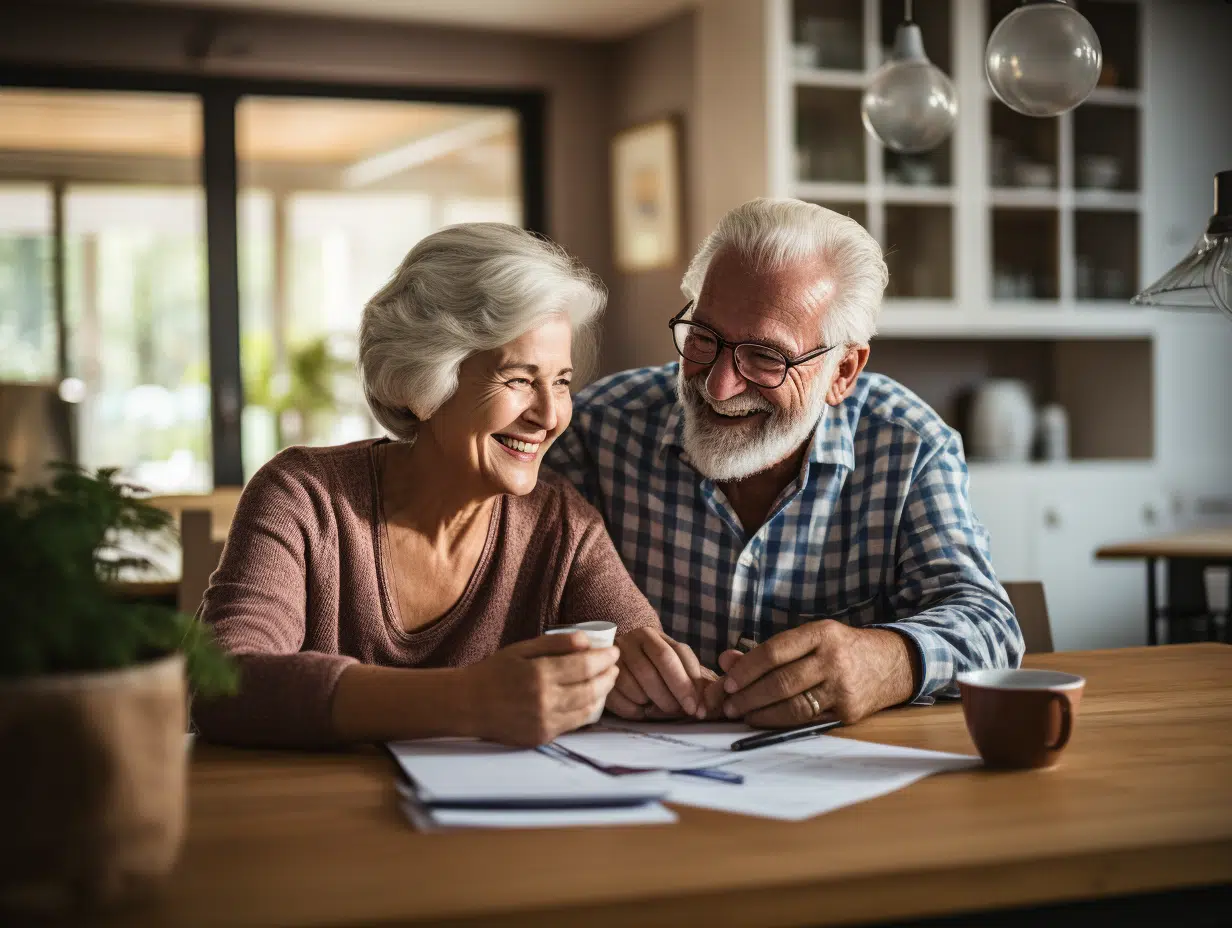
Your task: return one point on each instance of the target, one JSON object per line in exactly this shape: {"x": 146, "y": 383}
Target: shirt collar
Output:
{"x": 833, "y": 441}
{"x": 673, "y": 429}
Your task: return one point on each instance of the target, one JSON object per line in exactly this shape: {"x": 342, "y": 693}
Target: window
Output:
{"x": 333, "y": 194}
{"x": 103, "y": 237}
{"x": 127, "y": 169}
{"x": 27, "y": 316}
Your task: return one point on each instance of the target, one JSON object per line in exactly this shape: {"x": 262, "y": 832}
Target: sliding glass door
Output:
{"x": 27, "y": 317}
{"x": 333, "y": 193}
{"x": 119, "y": 254}
{"x": 124, "y": 202}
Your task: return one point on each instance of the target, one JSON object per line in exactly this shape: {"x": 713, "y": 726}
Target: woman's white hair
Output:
{"x": 772, "y": 234}
{"x": 465, "y": 289}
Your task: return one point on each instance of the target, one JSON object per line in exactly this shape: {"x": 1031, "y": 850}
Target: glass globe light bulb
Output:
{"x": 910, "y": 104}
{"x": 1043, "y": 59}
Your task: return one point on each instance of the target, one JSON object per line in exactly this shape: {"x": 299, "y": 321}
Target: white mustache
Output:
{"x": 734, "y": 406}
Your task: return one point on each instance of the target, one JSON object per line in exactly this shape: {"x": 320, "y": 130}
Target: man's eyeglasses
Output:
{"x": 758, "y": 364}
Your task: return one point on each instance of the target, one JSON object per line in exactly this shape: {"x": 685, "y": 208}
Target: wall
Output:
{"x": 573, "y": 74}
{"x": 652, "y": 76}
{"x": 732, "y": 108}
{"x": 709, "y": 66}
{"x": 1187, "y": 135}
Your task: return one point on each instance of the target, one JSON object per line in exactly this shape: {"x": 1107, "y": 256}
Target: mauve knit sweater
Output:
{"x": 301, "y": 590}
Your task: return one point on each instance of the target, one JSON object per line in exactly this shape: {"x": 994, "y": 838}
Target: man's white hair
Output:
{"x": 465, "y": 289}
{"x": 772, "y": 234}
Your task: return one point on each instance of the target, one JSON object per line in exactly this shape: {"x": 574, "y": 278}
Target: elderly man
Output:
{"x": 798, "y": 524}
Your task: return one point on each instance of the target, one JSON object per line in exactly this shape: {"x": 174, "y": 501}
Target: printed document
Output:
{"x": 792, "y": 781}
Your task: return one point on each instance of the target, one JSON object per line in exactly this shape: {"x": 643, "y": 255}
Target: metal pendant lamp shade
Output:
{"x": 1203, "y": 278}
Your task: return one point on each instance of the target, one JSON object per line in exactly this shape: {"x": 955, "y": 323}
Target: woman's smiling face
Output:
{"x": 511, "y": 404}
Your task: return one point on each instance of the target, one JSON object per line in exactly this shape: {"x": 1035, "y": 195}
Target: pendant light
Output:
{"x": 910, "y": 104}
{"x": 1044, "y": 58}
{"x": 1203, "y": 278}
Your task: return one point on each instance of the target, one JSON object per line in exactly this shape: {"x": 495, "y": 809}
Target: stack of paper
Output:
{"x": 453, "y": 783}
{"x": 616, "y": 773}
{"x": 792, "y": 781}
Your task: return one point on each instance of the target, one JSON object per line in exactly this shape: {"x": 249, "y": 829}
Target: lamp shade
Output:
{"x": 1043, "y": 59}
{"x": 1203, "y": 278}
{"x": 910, "y": 104}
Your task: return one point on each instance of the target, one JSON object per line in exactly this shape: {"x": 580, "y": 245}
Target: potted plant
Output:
{"x": 93, "y": 698}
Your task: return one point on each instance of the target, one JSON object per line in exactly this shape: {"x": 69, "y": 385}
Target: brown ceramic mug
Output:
{"x": 1020, "y": 718}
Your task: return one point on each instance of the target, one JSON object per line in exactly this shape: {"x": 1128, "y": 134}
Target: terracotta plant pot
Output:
{"x": 92, "y": 785}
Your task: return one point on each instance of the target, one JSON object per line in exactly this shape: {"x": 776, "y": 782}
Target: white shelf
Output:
{"x": 1115, "y": 96}
{"x": 1100, "y": 96}
{"x": 830, "y": 190}
{"x": 1044, "y": 319}
{"x": 1113, "y": 467}
{"x": 893, "y": 194}
{"x": 830, "y": 77}
{"x": 904, "y": 194}
{"x": 1122, "y": 200}
{"x": 1049, "y": 198}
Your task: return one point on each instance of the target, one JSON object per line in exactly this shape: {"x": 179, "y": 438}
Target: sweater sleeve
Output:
{"x": 257, "y": 604}
{"x": 598, "y": 587}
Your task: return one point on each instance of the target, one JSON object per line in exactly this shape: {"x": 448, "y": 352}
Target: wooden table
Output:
{"x": 1141, "y": 803}
{"x": 162, "y": 583}
{"x": 1213, "y": 546}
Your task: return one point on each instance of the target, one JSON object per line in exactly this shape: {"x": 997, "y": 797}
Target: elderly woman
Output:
{"x": 398, "y": 589}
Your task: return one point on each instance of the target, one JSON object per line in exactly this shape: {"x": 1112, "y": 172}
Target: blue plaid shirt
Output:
{"x": 876, "y": 531}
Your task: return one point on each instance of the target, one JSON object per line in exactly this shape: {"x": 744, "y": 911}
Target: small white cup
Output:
{"x": 600, "y": 635}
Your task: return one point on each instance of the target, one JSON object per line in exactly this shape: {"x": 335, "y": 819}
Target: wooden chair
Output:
{"x": 1027, "y": 598}
{"x": 221, "y": 502}
{"x": 201, "y": 554}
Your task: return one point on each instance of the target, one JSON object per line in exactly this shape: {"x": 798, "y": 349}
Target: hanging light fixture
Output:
{"x": 1203, "y": 278}
{"x": 1044, "y": 58}
{"x": 910, "y": 104}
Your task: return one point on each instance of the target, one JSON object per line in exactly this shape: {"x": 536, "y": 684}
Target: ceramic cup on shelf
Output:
{"x": 1002, "y": 421}
{"x": 1099, "y": 172}
{"x": 1034, "y": 174}
{"x": 804, "y": 55}
{"x": 599, "y": 635}
{"x": 1054, "y": 432}
{"x": 918, "y": 172}
{"x": 1020, "y": 719}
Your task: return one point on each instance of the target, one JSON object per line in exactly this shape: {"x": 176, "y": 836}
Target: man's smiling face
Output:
{"x": 734, "y": 428}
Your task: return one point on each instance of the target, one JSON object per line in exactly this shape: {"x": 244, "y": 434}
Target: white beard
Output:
{"x": 734, "y": 452}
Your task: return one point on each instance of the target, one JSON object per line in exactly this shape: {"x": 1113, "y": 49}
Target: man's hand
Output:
{"x": 849, "y": 673}
{"x": 659, "y": 678}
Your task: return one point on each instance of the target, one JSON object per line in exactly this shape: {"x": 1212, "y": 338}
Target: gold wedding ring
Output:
{"x": 814, "y": 704}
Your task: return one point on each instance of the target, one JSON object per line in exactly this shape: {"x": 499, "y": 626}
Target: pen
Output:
{"x": 765, "y": 739}
{"x": 711, "y": 773}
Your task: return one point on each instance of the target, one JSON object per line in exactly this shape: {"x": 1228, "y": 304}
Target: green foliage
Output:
{"x": 58, "y": 614}
{"x": 307, "y": 387}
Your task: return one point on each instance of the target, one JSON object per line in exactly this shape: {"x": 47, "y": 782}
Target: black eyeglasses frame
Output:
{"x": 788, "y": 363}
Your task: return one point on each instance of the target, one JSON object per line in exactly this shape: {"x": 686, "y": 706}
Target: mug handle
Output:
{"x": 1066, "y": 721}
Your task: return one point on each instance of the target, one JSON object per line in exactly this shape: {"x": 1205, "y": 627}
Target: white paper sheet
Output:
{"x": 792, "y": 781}
{"x": 664, "y": 746}
{"x": 458, "y": 770}
{"x": 650, "y": 813}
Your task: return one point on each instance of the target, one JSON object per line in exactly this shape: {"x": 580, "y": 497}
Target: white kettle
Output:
{"x": 1002, "y": 426}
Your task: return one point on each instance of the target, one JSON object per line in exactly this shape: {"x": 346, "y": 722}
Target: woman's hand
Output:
{"x": 660, "y": 679}
{"x": 530, "y": 692}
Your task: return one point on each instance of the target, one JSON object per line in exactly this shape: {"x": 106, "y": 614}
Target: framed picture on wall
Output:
{"x": 646, "y": 196}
